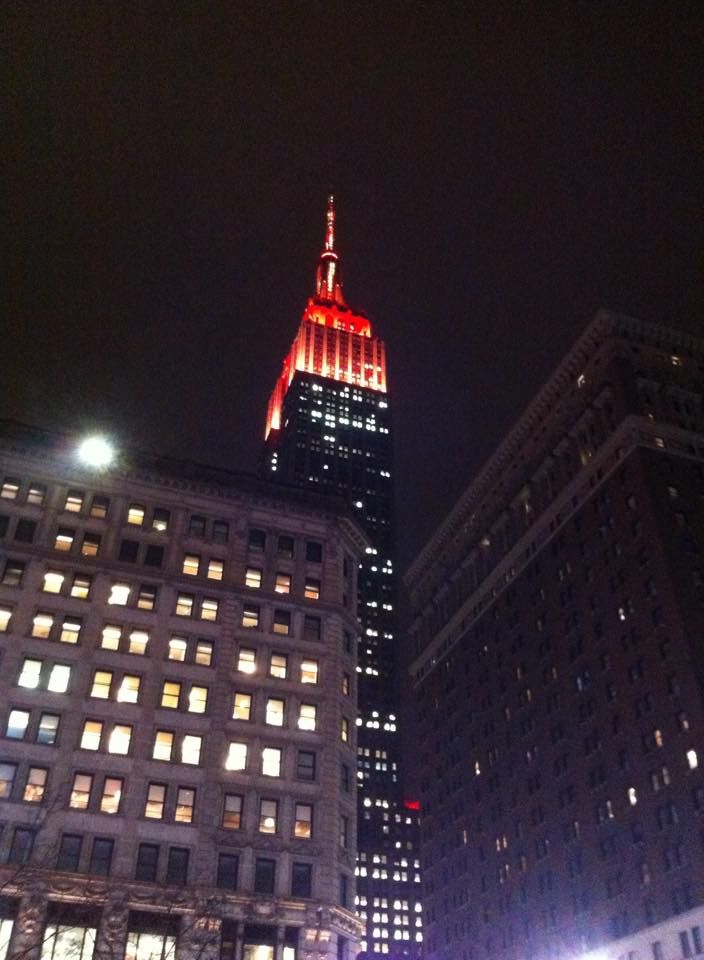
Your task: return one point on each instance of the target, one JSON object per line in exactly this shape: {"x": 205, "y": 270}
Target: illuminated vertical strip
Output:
{"x": 337, "y": 353}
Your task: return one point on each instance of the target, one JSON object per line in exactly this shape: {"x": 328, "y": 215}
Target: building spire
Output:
{"x": 328, "y": 285}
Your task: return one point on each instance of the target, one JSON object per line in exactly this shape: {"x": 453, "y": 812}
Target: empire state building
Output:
{"x": 329, "y": 429}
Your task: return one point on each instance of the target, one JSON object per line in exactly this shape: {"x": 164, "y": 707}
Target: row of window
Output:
{"x": 149, "y": 865}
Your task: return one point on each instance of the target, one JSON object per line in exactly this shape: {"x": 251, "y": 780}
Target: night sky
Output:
{"x": 502, "y": 170}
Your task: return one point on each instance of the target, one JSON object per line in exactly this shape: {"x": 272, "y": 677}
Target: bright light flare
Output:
{"x": 96, "y": 452}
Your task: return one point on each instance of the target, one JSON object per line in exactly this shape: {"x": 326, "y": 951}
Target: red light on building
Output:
{"x": 412, "y": 805}
{"x": 333, "y": 340}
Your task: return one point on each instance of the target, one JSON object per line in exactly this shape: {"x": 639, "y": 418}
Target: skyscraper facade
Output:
{"x": 558, "y": 629}
{"x": 176, "y": 711}
{"x": 329, "y": 429}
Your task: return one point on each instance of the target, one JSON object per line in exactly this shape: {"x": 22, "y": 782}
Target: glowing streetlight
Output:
{"x": 96, "y": 451}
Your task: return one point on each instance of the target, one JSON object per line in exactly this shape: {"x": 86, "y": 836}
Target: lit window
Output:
{"x": 632, "y": 796}
{"x": 36, "y": 494}
{"x": 90, "y": 546}
{"x": 236, "y": 756}
{"x": 215, "y": 570}
{"x": 17, "y": 722}
{"x": 112, "y": 793}
{"x": 242, "y": 706}
{"x": 99, "y": 507}
{"x": 312, "y": 590}
{"x": 135, "y": 515}
{"x": 345, "y": 730}
{"x": 282, "y": 622}
{"x": 48, "y": 729}
{"x": 128, "y": 691}
{"x": 80, "y": 791}
{"x": 146, "y": 598}
{"x": 119, "y": 594}
{"x": 119, "y": 739}
{"x": 268, "y": 816}
{"x": 306, "y": 716}
{"x": 303, "y": 826}
{"x": 246, "y": 661}
{"x": 64, "y": 539}
{"x": 250, "y": 616}
{"x": 190, "y": 749}
{"x": 177, "y": 648}
{"x": 275, "y": 712}
{"x": 5, "y": 614}
{"x": 184, "y": 605}
{"x": 271, "y": 762}
{"x": 278, "y": 666}
{"x": 35, "y": 785}
{"x": 80, "y": 588}
{"x": 204, "y": 653}
{"x": 170, "y": 694}
{"x": 29, "y": 675}
{"x": 74, "y": 501}
{"x": 283, "y": 583}
{"x": 253, "y": 578}
{"x": 197, "y": 699}
{"x": 53, "y": 581}
{"x": 185, "y": 804}
{"x": 163, "y": 745}
{"x": 70, "y": 630}
{"x": 102, "y": 681}
{"x": 111, "y": 637}
{"x": 346, "y": 684}
{"x": 42, "y": 624}
{"x": 191, "y": 563}
{"x": 156, "y": 797}
{"x": 138, "y": 641}
{"x": 7, "y": 778}
{"x": 209, "y": 609}
{"x": 692, "y": 759}
{"x": 309, "y": 671}
{"x": 232, "y": 812}
{"x": 10, "y": 488}
{"x": 91, "y": 735}
{"x": 160, "y": 520}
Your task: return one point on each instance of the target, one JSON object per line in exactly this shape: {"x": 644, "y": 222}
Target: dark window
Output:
{"x": 348, "y": 642}
{"x": 196, "y": 527}
{"x": 264, "y": 872}
{"x": 345, "y": 777}
{"x": 177, "y": 866}
{"x": 221, "y": 531}
{"x": 305, "y": 765}
{"x": 4, "y": 523}
{"x": 257, "y": 539}
{"x": 147, "y": 860}
{"x": 285, "y": 546}
{"x": 314, "y": 552}
{"x": 21, "y": 849}
{"x": 13, "y": 573}
{"x": 69, "y": 852}
{"x": 344, "y": 889}
{"x": 311, "y": 628}
{"x": 301, "y": 880}
{"x": 128, "y": 551}
{"x": 154, "y": 556}
{"x": 25, "y": 530}
{"x": 101, "y": 856}
{"x": 228, "y": 865}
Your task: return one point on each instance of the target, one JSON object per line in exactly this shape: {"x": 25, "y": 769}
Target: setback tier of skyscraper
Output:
{"x": 558, "y": 631}
{"x": 329, "y": 429}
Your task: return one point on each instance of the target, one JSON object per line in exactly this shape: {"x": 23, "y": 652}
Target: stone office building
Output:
{"x": 558, "y": 628}
{"x": 177, "y": 710}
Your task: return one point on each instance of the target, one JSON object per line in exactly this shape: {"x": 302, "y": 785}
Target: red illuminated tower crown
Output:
{"x": 333, "y": 340}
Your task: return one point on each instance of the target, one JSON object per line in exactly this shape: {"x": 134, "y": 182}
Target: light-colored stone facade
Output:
{"x": 182, "y": 588}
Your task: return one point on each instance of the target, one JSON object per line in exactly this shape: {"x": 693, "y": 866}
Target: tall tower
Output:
{"x": 329, "y": 429}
